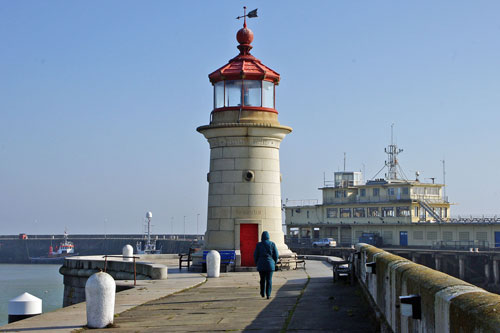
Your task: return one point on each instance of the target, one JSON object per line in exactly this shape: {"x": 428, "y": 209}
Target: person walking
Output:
{"x": 265, "y": 257}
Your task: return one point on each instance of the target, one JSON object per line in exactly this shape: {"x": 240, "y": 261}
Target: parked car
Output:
{"x": 325, "y": 242}
{"x": 342, "y": 269}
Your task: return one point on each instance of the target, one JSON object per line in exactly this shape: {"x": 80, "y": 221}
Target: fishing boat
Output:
{"x": 56, "y": 255}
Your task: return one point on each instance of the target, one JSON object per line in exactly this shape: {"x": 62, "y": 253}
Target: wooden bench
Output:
{"x": 227, "y": 258}
{"x": 186, "y": 257}
{"x": 293, "y": 262}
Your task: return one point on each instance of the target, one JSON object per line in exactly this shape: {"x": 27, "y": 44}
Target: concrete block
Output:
{"x": 264, "y": 152}
{"x": 223, "y": 240}
{"x": 271, "y": 188}
{"x": 267, "y": 177}
{"x": 214, "y": 200}
{"x": 233, "y": 152}
{"x": 248, "y": 164}
{"x": 236, "y": 200}
{"x": 222, "y": 164}
{"x": 261, "y": 200}
{"x": 215, "y": 176}
{"x": 219, "y": 212}
{"x": 221, "y": 188}
{"x": 213, "y": 224}
{"x": 232, "y": 176}
{"x": 227, "y": 224}
{"x": 273, "y": 212}
{"x": 216, "y": 153}
{"x": 248, "y": 188}
{"x": 271, "y": 164}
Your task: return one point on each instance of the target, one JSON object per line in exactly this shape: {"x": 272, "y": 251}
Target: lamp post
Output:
{"x": 184, "y": 227}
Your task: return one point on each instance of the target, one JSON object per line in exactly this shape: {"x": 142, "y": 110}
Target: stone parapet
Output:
{"x": 76, "y": 271}
{"x": 447, "y": 304}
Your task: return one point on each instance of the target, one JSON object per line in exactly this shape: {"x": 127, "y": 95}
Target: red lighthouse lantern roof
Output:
{"x": 244, "y": 65}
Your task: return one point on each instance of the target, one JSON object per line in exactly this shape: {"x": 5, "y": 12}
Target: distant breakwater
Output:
{"x": 15, "y": 250}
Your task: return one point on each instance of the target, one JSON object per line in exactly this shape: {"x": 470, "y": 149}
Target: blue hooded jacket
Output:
{"x": 265, "y": 254}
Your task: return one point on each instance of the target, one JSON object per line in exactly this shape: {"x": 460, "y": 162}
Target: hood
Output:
{"x": 265, "y": 236}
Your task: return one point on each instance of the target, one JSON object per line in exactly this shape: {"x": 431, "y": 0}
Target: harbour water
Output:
{"x": 42, "y": 281}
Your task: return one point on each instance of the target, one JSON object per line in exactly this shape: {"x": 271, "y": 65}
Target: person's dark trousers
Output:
{"x": 266, "y": 283}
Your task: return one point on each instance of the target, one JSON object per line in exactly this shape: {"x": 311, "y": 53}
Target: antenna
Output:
{"x": 444, "y": 182}
{"x": 392, "y": 151}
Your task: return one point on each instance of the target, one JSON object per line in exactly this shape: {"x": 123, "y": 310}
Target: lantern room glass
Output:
{"x": 268, "y": 94}
{"x": 219, "y": 95}
{"x": 233, "y": 93}
{"x": 251, "y": 93}
{"x": 244, "y": 92}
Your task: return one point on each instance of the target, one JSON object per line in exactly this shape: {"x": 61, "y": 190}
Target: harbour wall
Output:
{"x": 15, "y": 250}
{"x": 77, "y": 270}
{"x": 446, "y": 304}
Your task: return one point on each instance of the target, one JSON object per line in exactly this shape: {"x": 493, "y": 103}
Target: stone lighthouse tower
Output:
{"x": 244, "y": 135}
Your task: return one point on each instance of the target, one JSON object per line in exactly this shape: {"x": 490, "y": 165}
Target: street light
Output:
{"x": 184, "y": 227}
{"x": 197, "y": 223}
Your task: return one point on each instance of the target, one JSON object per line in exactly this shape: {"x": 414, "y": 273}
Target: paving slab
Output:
{"x": 301, "y": 301}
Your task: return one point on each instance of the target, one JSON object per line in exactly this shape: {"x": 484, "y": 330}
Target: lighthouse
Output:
{"x": 244, "y": 134}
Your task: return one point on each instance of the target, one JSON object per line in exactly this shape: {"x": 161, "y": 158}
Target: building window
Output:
{"x": 448, "y": 236}
{"x": 406, "y": 191}
{"x": 345, "y": 212}
{"x": 376, "y": 192}
{"x": 416, "y": 211}
{"x": 403, "y": 211}
{"x": 390, "y": 191}
{"x": 359, "y": 212}
{"x": 331, "y": 213}
{"x": 268, "y": 94}
{"x": 387, "y": 211}
{"x": 418, "y": 235}
{"x": 445, "y": 212}
{"x": 362, "y": 192}
{"x": 463, "y": 236}
{"x": 307, "y": 214}
{"x": 345, "y": 194}
{"x": 373, "y": 211}
{"x": 338, "y": 194}
{"x": 432, "y": 235}
{"x": 482, "y": 236}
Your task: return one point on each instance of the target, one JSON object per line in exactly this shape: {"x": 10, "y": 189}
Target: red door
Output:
{"x": 249, "y": 236}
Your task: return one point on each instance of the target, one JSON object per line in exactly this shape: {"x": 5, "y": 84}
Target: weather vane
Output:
{"x": 252, "y": 13}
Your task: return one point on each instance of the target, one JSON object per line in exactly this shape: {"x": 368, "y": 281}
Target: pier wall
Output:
{"x": 447, "y": 304}
{"x": 77, "y": 270}
{"x": 14, "y": 250}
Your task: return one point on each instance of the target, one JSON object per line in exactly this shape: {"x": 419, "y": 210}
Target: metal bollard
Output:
{"x": 213, "y": 264}
{"x": 128, "y": 251}
{"x": 24, "y": 306}
{"x": 100, "y": 297}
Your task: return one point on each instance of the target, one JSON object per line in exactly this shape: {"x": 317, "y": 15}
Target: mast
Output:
{"x": 392, "y": 163}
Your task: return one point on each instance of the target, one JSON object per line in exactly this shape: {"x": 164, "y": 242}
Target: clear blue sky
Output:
{"x": 99, "y": 102}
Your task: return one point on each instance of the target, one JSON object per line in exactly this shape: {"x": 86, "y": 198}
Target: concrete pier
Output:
{"x": 301, "y": 300}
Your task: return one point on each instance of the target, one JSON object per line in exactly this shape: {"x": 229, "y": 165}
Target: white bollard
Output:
{"x": 213, "y": 264}
{"x": 24, "y": 306}
{"x": 128, "y": 251}
{"x": 100, "y": 297}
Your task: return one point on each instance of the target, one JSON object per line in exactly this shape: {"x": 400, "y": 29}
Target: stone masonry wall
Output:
{"x": 447, "y": 303}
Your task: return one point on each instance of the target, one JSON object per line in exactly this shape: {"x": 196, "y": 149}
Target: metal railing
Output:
{"x": 123, "y": 257}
